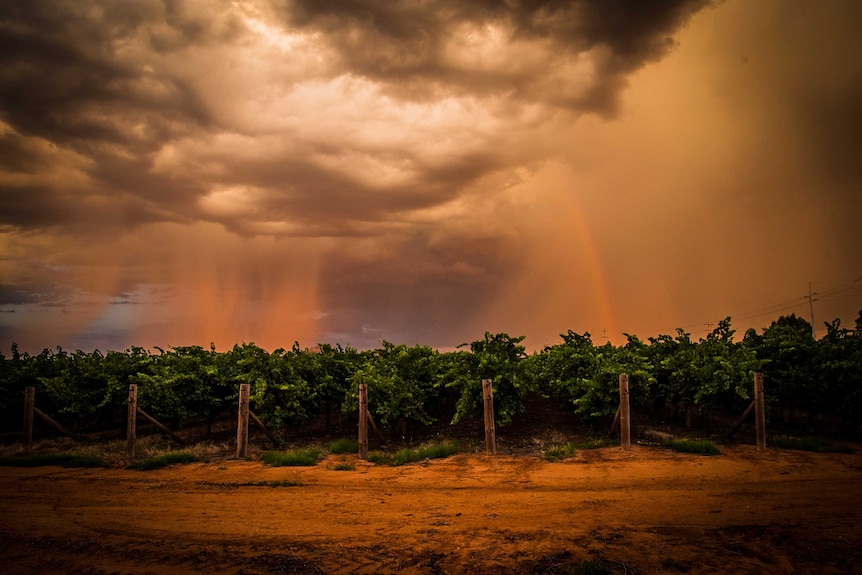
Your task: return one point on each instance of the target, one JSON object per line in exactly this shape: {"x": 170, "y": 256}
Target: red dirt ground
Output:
{"x": 642, "y": 512}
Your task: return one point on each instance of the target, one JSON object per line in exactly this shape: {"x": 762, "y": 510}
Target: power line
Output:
{"x": 811, "y": 301}
{"x": 797, "y": 302}
{"x": 840, "y": 291}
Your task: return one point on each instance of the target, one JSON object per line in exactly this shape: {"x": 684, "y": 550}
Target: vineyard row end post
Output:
{"x": 242, "y": 422}
{"x": 625, "y": 414}
{"x": 132, "y": 422}
{"x": 759, "y": 411}
{"x": 29, "y": 409}
{"x": 490, "y": 433}
{"x": 363, "y": 421}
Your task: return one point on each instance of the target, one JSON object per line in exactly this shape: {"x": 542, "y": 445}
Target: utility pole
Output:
{"x": 811, "y": 306}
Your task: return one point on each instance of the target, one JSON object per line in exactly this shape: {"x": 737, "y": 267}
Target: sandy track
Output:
{"x": 645, "y": 511}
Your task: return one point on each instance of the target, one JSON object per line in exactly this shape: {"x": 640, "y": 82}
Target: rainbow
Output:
{"x": 600, "y": 289}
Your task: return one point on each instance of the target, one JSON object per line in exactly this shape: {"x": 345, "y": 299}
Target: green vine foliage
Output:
{"x": 586, "y": 377}
{"x": 402, "y": 383}
{"x": 500, "y": 358}
{"x": 425, "y": 386}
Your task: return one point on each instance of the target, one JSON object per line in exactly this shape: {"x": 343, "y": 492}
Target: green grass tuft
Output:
{"x": 160, "y": 461}
{"x": 560, "y": 452}
{"x": 60, "y": 459}
{"x": 816, "y": 444}
{"x": 344, "y": 466}
{"x": 293, "y": 458}
{"x": 379, "y": 458}
{"x": 697, "y": 446}
{"x": 434, "y": 451}
{"x": 342, "y": 446}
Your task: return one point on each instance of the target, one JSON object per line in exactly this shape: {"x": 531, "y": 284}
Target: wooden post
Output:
{"x": 490, "y": 436}
{"x": 363, "y": 421}
{"x": 625, "y": 414}
{"x": 242, "y": 422}
{"x": 759, "y": 411}
{"x": 29, "y": 406}
{"x": 132, "y": 421}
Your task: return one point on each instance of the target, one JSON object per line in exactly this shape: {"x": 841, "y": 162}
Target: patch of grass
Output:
{"x": 434, "y": 451}
{"x": 560, "y": 452}
{"x": 379, "y": 458}
{"x": 591, "y": 568}
{"x": 293, "y": 458}
{"x": 817, "y": 444}
{"x": 344, "y": 466}
{"x": 59, "y": 459}
{"x": 342, "y": 446}
{"x": 697, "y": 446}
{"x": 160, "y": 461}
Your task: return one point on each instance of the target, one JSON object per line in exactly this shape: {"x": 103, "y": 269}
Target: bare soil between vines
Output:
{"x": 645, "y": 511}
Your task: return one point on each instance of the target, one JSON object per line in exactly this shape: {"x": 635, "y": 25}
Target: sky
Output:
{"x": 184, "y": 172}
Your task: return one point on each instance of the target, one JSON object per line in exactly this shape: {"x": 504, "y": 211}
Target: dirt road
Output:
{"x": 645, "y": 511}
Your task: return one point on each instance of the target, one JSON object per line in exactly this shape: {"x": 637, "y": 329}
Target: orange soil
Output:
{"x": 645, "y": 511}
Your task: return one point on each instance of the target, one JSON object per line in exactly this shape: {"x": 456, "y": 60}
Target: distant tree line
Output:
{"x": 422, "y": 386}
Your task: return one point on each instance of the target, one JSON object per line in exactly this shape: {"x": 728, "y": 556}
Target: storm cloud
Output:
{"x": 418, "y": 171}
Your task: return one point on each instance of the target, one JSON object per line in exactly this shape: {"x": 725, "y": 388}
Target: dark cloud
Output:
{"x": 409, "y": 44}
{"x": 400, "y": 167}
{"x": 417, "y": 289}
{"x": 115, "y": 86}
{"x": 13, "y": 295}
{"x": 323, "y": 201}
{"x": 75, "y": 73}
{"x": 79, "y": 85}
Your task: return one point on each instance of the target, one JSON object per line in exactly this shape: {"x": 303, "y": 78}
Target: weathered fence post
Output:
{"x": 29, "y": 406}
{"x": 759, "y": 411}
{"x": 490, "y": 437}
{"x": 625, "y": 414}
{"x": 132, "y": 421}
{"x": 242, "y": 422}
{"x": 363, "y": 421}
